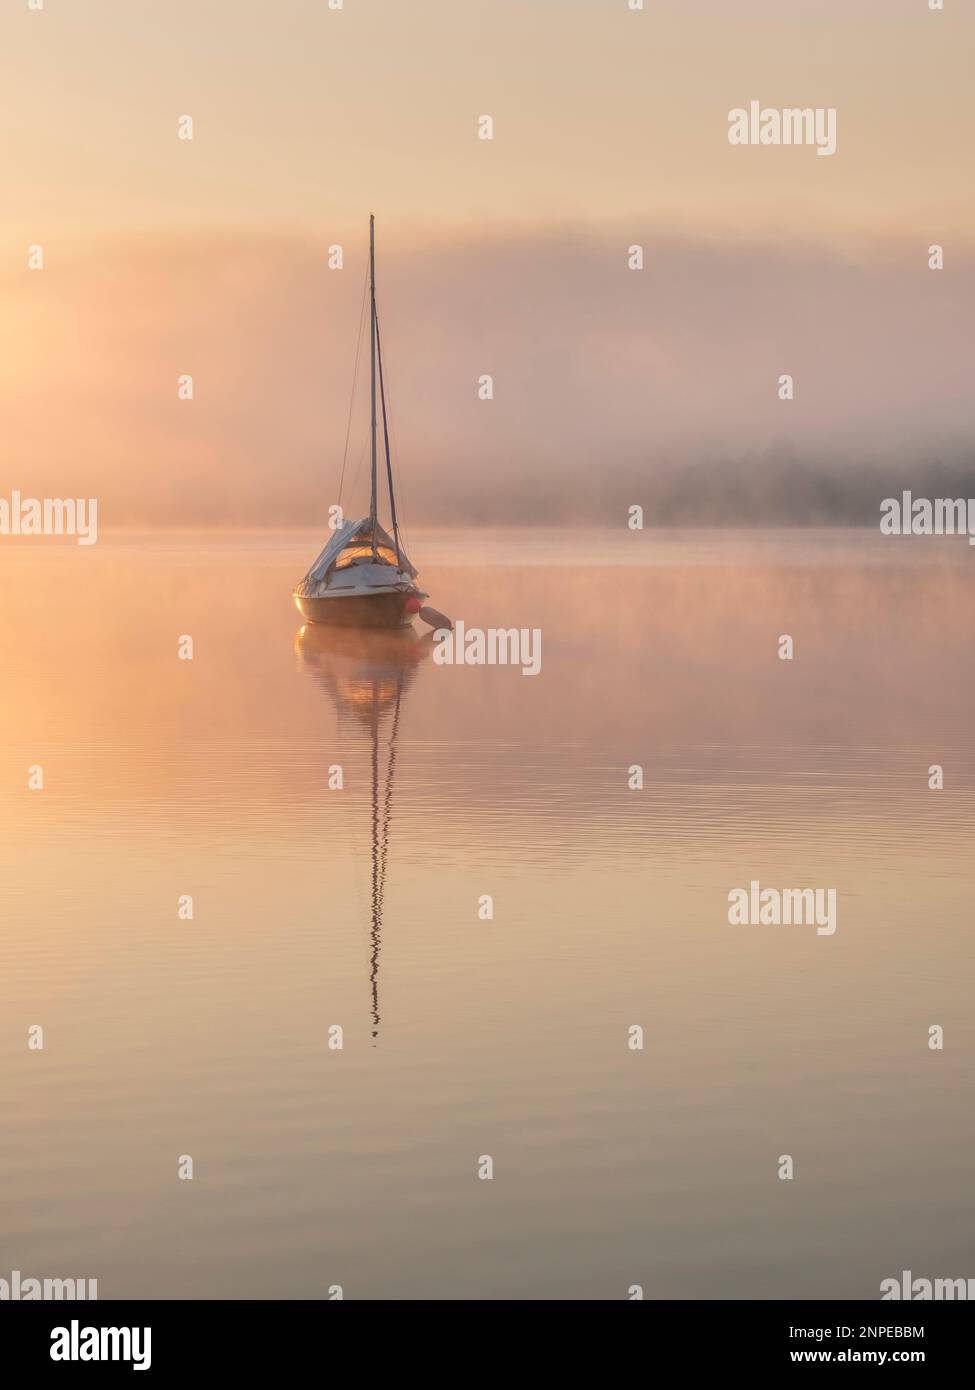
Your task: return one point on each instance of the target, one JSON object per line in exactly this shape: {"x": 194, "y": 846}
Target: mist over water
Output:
{"x": 464, "y": 1037}
{"x": 611, "y": 386}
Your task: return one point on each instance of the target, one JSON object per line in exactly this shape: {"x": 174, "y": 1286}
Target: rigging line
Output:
{"x": 358, "y": 467}
{"x": 355, "y": 377}
{"x": 398, "y": 473}
{"x": 389, "y": 466}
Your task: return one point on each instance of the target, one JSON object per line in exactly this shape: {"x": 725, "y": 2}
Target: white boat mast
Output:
{"x": 372, "y": 346}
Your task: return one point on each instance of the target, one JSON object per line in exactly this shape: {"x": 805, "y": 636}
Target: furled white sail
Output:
{"x": 351, "y": 537}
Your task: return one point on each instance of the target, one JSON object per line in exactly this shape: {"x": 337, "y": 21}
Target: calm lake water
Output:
{"x": 359, "y": 907}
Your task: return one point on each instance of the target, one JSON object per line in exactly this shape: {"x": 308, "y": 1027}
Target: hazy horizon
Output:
{"x": 611, "y": 386}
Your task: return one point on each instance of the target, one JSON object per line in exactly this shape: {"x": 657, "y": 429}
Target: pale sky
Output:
{"x": 308, "y": 117}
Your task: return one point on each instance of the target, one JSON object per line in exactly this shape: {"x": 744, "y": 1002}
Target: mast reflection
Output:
{"x": 366, "y": 675}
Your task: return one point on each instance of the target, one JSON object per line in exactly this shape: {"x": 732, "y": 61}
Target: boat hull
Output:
{"x": 356, "y": 610}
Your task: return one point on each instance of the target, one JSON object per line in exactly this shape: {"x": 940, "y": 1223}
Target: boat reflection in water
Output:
{"x": 366, "y": 674}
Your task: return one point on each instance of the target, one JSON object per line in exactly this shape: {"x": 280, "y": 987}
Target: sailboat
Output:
{"x": 363, "y": 578}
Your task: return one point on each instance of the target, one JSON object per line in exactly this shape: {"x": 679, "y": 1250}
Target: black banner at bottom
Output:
{"x": 171, "y": 1338}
